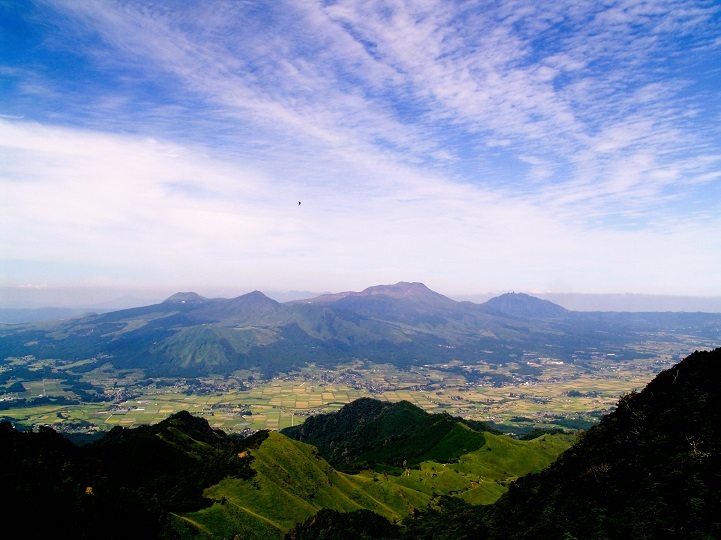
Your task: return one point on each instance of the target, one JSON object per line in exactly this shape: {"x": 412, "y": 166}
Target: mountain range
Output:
{"x": 403, "y": 324}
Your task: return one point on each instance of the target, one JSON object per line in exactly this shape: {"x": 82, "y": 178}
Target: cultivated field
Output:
{"x": 553, "y": 394}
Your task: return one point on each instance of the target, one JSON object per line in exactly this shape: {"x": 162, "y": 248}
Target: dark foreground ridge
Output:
{"x": 651, "y": 469}
{"x": 123, "y": 486}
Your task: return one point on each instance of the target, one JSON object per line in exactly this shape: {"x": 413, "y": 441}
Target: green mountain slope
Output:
{"x": 403, "y": 324}
{"x": 649, "y": 470}
{"x": 369, "y": 433}
{"x": 182, "y": 479}
{"x": 293, "y": 483}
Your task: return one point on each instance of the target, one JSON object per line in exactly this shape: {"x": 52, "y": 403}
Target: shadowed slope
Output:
{"x": 122, "y": 486}
{"x": 650, "y": 469}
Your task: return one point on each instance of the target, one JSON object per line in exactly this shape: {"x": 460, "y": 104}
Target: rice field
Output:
{"x": 236, "y": 405}
{"x": 555, "y": 390}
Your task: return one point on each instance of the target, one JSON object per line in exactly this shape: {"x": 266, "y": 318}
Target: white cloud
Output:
{"x": 104, "y": 201}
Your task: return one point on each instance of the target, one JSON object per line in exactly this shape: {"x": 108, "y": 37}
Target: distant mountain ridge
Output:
{"x": 523, "y": 305}
{"x": 410, "y": 303}
{"x": 403, "y": 289}
{"x": 403, "y": 324}
{"x": 183, "y": 297}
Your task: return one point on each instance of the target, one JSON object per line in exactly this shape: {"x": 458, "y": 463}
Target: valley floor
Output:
{"x": 519, "y": 396}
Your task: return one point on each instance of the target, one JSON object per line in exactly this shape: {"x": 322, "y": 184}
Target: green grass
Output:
{"x": 294, "y": 482}
{"x": 458, "y": 441}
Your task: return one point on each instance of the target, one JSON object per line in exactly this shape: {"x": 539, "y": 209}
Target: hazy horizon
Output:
{"x": 81, "y": 298}
{"x": 571, "y": 146}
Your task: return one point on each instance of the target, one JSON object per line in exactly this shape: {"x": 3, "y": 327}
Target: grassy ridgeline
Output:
{"x": 293, "y": 483}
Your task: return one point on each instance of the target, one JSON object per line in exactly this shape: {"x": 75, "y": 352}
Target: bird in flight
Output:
{"x": 298, "y": 203}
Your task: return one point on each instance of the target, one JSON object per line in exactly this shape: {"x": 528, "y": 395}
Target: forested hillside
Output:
{"x": 651, "y": 469}
{"x": 368, "y": 433}
{"x": 123, "y": 486}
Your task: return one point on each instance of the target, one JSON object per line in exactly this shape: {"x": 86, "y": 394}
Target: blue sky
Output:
{"x": 472, "y": 146}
